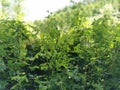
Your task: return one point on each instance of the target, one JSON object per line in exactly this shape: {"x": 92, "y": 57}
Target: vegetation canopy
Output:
{"x": 76, "y": 48}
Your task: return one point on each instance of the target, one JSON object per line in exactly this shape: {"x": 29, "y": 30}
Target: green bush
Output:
{"x": 83, "y": 56}
{"x": 13, "y": 35}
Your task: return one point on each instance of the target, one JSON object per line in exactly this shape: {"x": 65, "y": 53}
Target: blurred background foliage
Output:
{"x": 76, "y": 48}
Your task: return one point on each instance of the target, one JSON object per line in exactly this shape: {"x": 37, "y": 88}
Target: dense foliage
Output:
{"x": 73, "y": 49}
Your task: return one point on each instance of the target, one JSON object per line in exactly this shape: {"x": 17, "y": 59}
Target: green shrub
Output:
{"x": 83, "y": 56}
